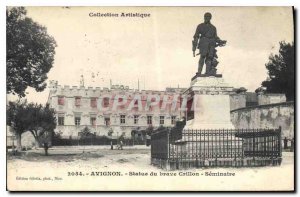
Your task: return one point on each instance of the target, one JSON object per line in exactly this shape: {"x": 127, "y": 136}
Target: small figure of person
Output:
{"x": 285, "y": 143}
{"x": 111, "y": 145}
{"x": 46, "y": 147}
{"x": 121, "y": 145}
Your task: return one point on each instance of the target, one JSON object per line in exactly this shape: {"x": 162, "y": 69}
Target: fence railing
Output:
{"x": 94, "y": 141}
{"x": 223, "y": 147}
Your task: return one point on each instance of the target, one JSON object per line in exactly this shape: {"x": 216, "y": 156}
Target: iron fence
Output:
{"x": 173, "y": 149}
{"x": 78, "y": 141}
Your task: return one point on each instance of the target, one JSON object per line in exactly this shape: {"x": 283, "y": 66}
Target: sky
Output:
{"x": 157, "y": 50}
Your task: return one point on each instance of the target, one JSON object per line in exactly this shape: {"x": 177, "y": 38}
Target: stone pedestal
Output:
{"x": 211, "y": 103}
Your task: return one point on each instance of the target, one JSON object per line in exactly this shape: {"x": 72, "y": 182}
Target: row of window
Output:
{"x": 61, "y": 120}
{"x": 93, "y": 102}
{"x": 61, "y": 101}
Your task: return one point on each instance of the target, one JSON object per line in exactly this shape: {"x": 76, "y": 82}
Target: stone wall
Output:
{"x": 266, "y": 116}
{"x": 269, "y": 98}
{"x": 237, "y": 101}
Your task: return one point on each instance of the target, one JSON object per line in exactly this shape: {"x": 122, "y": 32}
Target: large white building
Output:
{"x": 118, "y": 108}
{"x": 122, "y": 110}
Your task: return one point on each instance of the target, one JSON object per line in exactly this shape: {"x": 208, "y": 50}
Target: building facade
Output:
{"x": 117, "y": 109}
{"x": 121, "y": 110}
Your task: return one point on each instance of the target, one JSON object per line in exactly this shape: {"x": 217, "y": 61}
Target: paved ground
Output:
{"x": 133, "y": 163}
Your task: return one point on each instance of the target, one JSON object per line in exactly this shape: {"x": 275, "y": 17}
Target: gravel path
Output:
{"x": 104, "y": 169}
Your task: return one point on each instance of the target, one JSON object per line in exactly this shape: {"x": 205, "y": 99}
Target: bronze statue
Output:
{"x": 206, "y": 34}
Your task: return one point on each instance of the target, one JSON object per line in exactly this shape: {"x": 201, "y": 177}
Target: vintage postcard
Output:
{"x": 150, "y": 98}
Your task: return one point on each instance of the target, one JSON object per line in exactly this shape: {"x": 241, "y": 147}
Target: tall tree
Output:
{"x": 281, "y": 71}
{"x": 29, "y": 52}
{"x": 37, "y": 119}
{"x": 84, "y": 135}
{"x": 16, "y": 118}
{"x": 41, "y": 123}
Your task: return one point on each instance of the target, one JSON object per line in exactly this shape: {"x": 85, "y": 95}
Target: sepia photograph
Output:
{"x": 150, "y": 98}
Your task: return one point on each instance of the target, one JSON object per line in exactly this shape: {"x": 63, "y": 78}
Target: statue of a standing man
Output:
{"x": 207, "y": 33}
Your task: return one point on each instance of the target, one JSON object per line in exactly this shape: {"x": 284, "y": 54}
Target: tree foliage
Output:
{"x": 42, "y": 122}
{"x": 122, "y": 136}
{"x": 281, "y": 71}
{"x": 150, "y": 130}
{"x": 29, "y": 52}
{"x": 110, "y": 132}
{"x": 85, "y": 133}
{"x": 16, "y": 118}
{"x": 39, "y": 120}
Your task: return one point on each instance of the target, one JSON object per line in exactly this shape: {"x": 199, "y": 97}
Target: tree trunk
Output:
{"x": 19, "y": 144}
{"x": 37, "y": 143}
{"x": 46, "y": 148}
